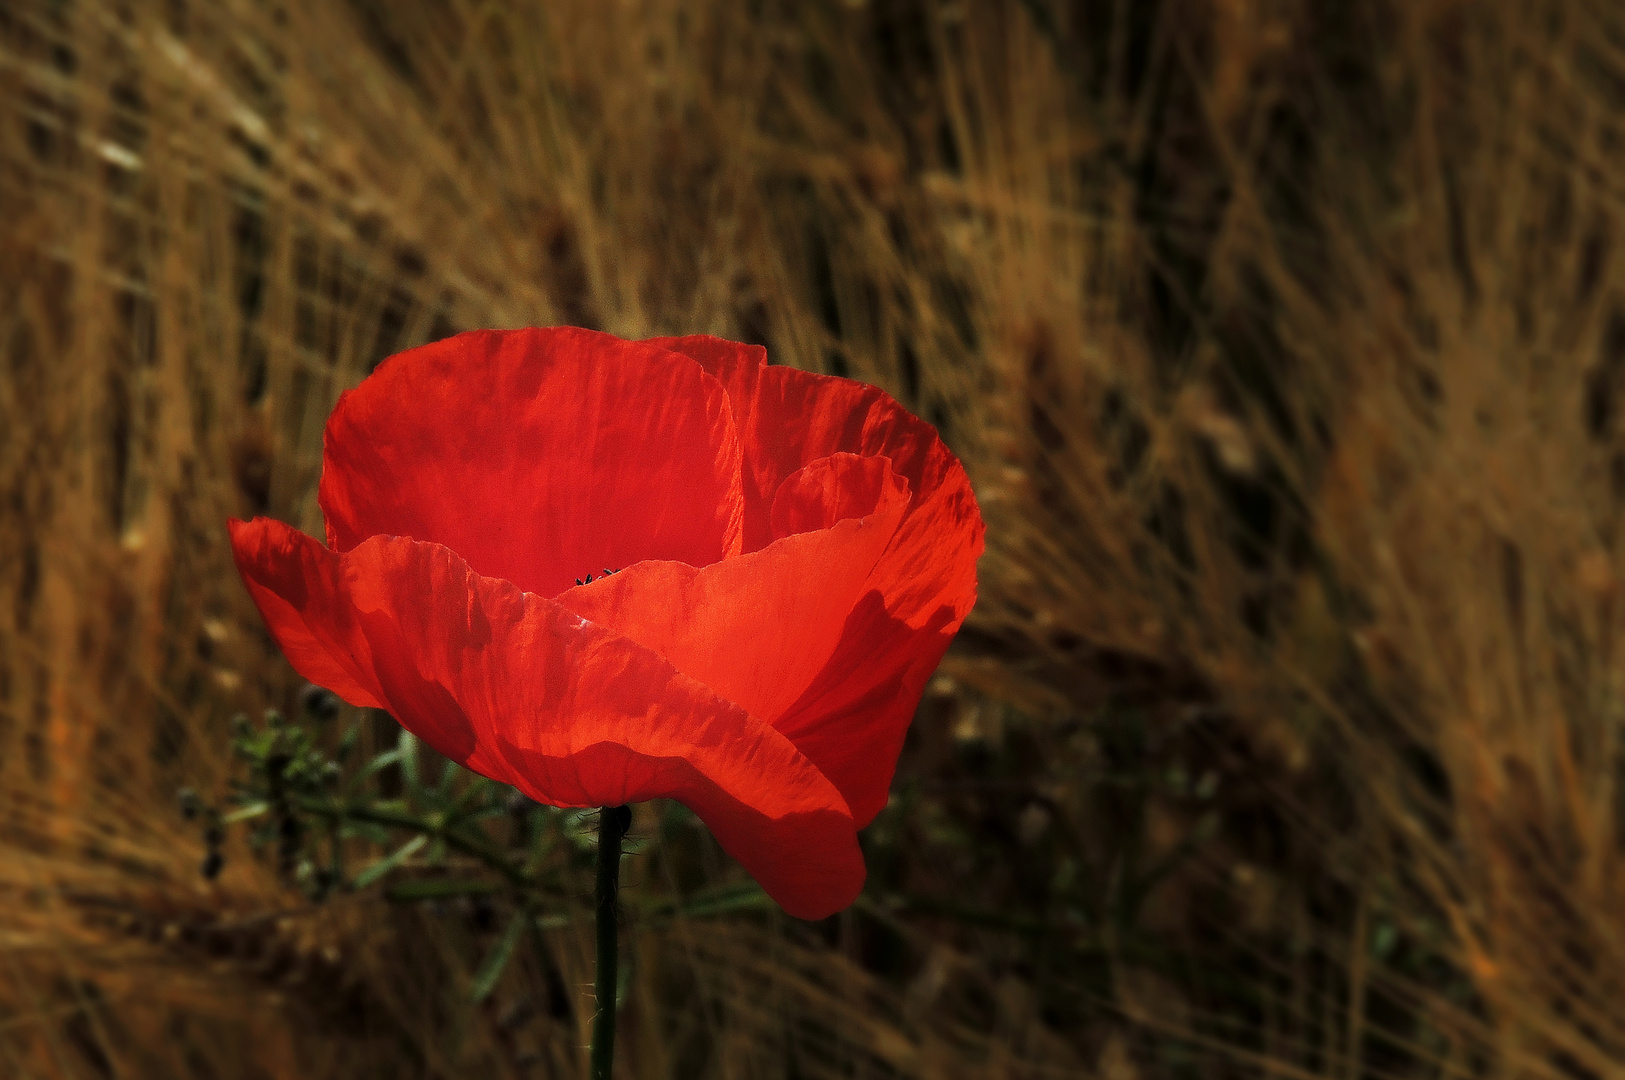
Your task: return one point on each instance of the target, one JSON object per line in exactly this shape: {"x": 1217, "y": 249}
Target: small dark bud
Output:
{"x": 213, "y": 862}
{"x": 320, "y": 702}
{"x": 189, "y": 802}
{"x": 213, "y": 835}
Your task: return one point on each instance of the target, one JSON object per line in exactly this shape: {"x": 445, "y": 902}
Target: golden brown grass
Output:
{"x": 1284, "y": 343}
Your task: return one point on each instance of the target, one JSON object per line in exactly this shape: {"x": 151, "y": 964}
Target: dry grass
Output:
{"x": 1285, "y": 344}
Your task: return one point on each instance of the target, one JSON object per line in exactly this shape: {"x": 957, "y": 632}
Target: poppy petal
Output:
{"x": 833, "y": 489}
{"x": 273, "y": 565}
{"x": 528, "y": 693}
{"x": 337, "y": 630}
{"x": 739, "y": 368}
{"x": 758, "y": 628}
{"x": 537, "y": 455}
{"x": 851, "y": 721}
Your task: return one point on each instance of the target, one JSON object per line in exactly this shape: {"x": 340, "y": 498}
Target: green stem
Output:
{"x": 612, "y": 825}
{"x": 456, "y": 839}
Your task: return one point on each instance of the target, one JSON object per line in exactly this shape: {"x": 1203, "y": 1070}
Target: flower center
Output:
{"x": 590, "y": 579}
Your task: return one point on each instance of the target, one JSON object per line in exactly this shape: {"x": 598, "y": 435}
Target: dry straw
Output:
{"x": 1284, "y": 342}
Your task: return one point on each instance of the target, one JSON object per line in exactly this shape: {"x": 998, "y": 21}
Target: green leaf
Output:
{"x": 378, "y": 763}
{"x": 484, "y": 813}
{"x": 554, "y": 921}
{"x": 1383, "y": 939}
{"x": 256, "y": 745}
{"x": 389, "y": 862}
{"x": 745, "y": 897}
{"x": 485, "y": 979}
{"x": 475, "y": 790}
{"x": 364, "y": 830}
{"x": 347, "y": 744}
{"x": 407, "y": 747}
{"x": 541, "y": 849}
{"x": 252, "y": 810}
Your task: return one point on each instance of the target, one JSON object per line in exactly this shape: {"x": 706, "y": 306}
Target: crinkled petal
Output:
{"x": 524, "y": 691}
{"x": 539, "y": 456}
{"x": 328, "y": 620}
{"x": 852, "y": 719}
{"x": 833, "y": 489}
{"x": 758, "y": 628}
{"x": 739, "y": 368}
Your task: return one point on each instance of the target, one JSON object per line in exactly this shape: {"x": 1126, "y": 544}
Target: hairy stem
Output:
{"x": 612, "y": 825}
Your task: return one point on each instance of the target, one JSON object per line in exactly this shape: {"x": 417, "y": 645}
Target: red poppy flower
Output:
{"x": 793, "y": 553}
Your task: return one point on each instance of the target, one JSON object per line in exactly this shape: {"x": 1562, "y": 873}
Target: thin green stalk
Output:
{"x": 457, "y": 839}
{"x": 612, "y": 825}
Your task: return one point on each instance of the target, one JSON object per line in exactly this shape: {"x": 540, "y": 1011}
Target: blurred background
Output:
{"x": 1284, "y": 343}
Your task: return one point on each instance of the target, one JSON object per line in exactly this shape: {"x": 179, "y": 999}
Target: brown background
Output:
{"x": 1283, "y": 342}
